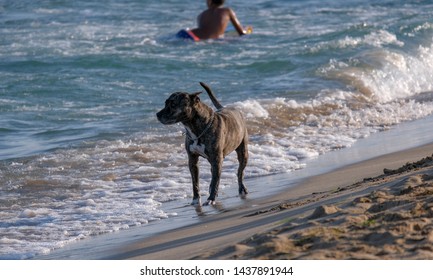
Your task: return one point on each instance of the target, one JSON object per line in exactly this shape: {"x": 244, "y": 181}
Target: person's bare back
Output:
{"x": 213, "y": 22}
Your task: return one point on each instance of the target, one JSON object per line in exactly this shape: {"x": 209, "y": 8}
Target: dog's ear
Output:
{"x": 195, "y": 97}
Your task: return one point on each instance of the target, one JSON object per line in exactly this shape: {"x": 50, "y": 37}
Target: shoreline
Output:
{"x": 223, "y": 236}
{"x": 231, "y": 221}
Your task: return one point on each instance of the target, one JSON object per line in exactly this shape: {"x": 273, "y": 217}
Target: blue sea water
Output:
{"x": 81, "y": 152}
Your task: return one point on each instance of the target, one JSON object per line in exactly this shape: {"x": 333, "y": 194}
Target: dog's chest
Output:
{"x": 195, "y": 147}
{"x": 198, "y": 148}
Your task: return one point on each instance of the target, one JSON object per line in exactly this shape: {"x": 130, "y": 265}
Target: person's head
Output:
{"x": 215, "y": 2}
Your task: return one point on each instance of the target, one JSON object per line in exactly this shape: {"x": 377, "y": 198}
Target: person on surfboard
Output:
{"x": 212, "y": 23}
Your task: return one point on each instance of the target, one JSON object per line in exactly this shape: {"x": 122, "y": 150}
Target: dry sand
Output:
{"x": 369, "y": 210}
{"x": 386, "y": 217}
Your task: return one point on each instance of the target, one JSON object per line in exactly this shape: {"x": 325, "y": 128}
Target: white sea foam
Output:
{"x": 392, "y": 75}
{"x": 402, "y": 75}
{"x": 376, "y": 38}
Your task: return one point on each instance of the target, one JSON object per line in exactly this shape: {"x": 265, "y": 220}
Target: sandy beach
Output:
{"x": 385, "y": 217}
{"x": 380, "y": 208}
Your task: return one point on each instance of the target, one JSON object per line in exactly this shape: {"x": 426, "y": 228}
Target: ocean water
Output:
{"x": 81, "y": 151}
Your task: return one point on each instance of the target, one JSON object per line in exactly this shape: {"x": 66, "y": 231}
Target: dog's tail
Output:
{"x": 212, "y": 97}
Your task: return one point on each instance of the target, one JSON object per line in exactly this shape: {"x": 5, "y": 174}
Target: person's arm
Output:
{"x": 234, "y": 20}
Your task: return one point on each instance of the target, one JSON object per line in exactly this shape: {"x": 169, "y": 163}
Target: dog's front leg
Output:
{"x": 216, "y": 167}
{"x": 194, "y": 170}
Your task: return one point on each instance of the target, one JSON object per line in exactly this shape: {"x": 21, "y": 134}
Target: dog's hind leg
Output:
{"x": 242, "y": 152}
{"x": 194, "y": 170}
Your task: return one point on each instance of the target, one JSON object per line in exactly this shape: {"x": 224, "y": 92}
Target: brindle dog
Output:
{"x": 210, "y": 134}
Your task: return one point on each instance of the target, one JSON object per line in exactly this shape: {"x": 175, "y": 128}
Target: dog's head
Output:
{"x": 178, "y": 107}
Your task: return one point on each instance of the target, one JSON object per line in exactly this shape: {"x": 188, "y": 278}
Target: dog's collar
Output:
{"x": 203, "y": 132}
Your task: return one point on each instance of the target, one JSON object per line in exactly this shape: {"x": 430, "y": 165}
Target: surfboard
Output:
{"x": 230, "y": 32}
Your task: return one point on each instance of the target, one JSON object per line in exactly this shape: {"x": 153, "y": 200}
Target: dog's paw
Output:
{"x": 209, "y": 202}
{"x": 243, "y": 192}
{"x": 196, "y": 201}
